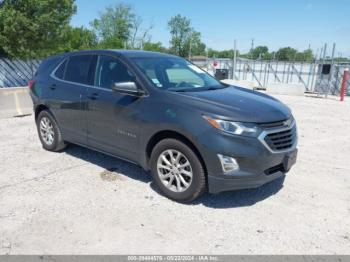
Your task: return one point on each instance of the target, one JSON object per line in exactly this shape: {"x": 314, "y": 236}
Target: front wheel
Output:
{"x": 177, "y": 170}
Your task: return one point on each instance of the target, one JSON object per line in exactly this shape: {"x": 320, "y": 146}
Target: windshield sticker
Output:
{"x": 156, "y": 82}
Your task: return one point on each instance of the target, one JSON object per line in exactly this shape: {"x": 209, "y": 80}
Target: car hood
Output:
{"x": 240, "y": 104}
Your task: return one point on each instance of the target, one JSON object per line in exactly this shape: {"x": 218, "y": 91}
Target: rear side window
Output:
{"x": 78, "y": 68}
{"x": 60, "y": 70}
{"x": 47, "y": 66}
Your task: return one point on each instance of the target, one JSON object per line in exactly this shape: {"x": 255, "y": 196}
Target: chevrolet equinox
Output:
{"x": 167, "y": 115}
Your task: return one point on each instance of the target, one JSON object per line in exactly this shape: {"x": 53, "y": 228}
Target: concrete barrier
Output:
{"x": 15, "y": 101}
{"x": 294, "y": 89}
{"x": 241, "y": 83}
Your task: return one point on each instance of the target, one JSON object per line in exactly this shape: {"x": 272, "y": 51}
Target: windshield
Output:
{"x": 176, "y": 74}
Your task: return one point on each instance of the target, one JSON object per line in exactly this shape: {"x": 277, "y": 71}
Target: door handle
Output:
{"x": 93, "y": 96}
{"x": 53, "y": 87}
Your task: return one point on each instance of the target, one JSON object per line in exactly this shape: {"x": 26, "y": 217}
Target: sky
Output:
{"x": 274, "y": 23}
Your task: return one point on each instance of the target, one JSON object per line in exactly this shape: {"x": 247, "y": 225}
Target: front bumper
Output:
{"x": 257, "y": 164}
{"x": 218, "y": 184}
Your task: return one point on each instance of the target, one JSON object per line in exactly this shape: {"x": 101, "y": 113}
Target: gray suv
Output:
{"x": 167, "y": 115}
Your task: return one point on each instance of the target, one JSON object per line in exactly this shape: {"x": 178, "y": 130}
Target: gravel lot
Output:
{"x": 83, "y": 202}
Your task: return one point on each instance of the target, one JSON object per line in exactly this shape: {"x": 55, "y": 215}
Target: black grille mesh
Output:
{"x": 281, "y": 140}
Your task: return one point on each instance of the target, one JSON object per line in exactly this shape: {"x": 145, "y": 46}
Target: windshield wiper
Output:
{"x": 196, "y": 89}
{"x": 216, "y": 88}
{"x": 180, "y": 90}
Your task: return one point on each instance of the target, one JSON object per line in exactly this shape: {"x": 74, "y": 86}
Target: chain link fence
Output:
{"x": 316, "y": 77}
{"x": 16, "y": 73}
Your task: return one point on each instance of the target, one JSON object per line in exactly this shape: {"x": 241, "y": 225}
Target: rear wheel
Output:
{"x": 177, "y": 170}
{"x": 49, "y": 132}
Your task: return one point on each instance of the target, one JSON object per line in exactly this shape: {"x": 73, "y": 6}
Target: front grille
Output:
{"x": 282, "y": 139}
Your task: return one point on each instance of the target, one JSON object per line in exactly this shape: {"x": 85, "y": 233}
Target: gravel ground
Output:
{"x": 83, "y": 202}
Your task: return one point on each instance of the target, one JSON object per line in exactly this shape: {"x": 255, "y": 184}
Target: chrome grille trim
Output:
{"x": 282, "y": 137}
{"x": 272, "y": 125}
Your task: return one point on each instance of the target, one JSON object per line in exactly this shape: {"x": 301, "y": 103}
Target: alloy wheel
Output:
{"x": 47, "y": 132}
{"x": 174, "y": 170}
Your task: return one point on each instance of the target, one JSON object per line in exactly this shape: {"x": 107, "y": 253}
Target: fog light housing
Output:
{"x": 228, "y": 164}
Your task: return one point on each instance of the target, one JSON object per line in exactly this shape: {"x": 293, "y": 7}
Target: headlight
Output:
{"x": 235, "y": 128}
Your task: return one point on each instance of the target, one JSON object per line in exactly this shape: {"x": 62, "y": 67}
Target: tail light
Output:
{"x": 31, "y": 84}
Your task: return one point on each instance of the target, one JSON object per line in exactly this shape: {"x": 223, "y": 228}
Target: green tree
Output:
{"x": 212, "y": 53}
{"x": 226, "y": 54}
{"x": 113, "y": 27}
{"x": 306, "y": 55}
{"x": 229, "y": 53}
{"x": 259, "y": 52}
{"x": 197, "y": 47}
{"x": 33, "y": 28}
{"x": 2, "y": 52}
{"x": 119, "y": 27}
{"x": 184, "y": 39}
{"x": 139, "y": 35}
{"x": 77, "y": 38}
{"x": 180, "y": 30}
{"x": 286, "y": 54}
{"x": 155, "y": 47}
{"x": 342, "y": 59}
{"x": 309, "y": 55}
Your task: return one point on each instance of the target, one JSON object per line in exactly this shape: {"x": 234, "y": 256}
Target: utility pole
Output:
{"x": 321, "y": 53}
{"x": 333, "y": 52}
{"x": 323, "y": 60}
{"x": 324, "y": 52}
{"x": 190, "y": 52}
{"x": 331, "y": 71}
{"x": 251, "y": 48}
{"x": 234, "y": 58}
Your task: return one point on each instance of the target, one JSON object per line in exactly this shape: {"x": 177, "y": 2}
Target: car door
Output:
{"x": 69, "y": 94}
{"x": 112, "y": 116}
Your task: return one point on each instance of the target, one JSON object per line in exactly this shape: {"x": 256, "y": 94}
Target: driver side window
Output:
{"x": 110, "y": 70}
{"x": 178, "y": 75}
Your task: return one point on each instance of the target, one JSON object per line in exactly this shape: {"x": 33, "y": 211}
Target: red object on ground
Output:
{"x": 344, "y": 84}
{"x": 215, "y": 63}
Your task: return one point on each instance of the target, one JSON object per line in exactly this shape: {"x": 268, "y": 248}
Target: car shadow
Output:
{"x": 241, "y": 198}
{"x": 109, "y": 163}
{"x": 231, "y": 199}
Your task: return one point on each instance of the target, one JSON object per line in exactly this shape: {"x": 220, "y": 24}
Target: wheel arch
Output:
{"x": 40, "y": 108}
{"x": 164, "y": 134}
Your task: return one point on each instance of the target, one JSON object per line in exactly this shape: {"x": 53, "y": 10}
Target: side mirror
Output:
{"x": 129, "y": 88}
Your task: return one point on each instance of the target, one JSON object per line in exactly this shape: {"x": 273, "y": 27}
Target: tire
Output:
{"x": 196, "y": 185}
{"x": 56, "y": 142}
